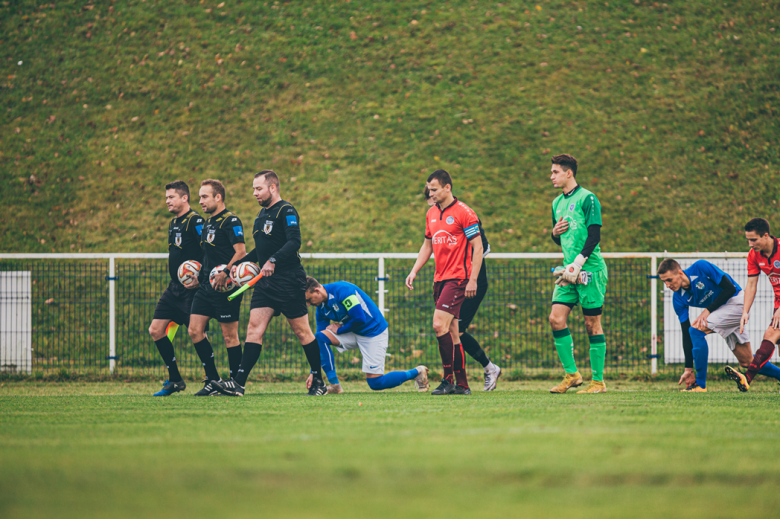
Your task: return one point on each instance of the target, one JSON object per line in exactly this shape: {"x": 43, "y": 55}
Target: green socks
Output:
{"x": 565, "y": 348}
{"x": 598, "y": 350}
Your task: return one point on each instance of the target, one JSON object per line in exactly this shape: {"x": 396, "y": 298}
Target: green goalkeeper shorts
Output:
{"x": 590, "y": 296}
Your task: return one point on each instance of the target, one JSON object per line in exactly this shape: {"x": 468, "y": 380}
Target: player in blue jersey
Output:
{"x": 348, "y": 319}
{"x": 703, "y": 285}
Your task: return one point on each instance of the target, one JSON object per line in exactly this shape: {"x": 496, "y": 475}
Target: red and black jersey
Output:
{"x": 450, "y": 230}
{"x": 757, "y": 263}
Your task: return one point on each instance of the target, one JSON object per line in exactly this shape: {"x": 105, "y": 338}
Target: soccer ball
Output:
{"x": 230, "y": 285}
{"x": 188, "y": 273}
{"x": 243, "y": 273}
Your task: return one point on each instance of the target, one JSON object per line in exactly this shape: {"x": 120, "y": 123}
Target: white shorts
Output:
{"x": 372, "y": 349}
{"x": 725, "y": 321}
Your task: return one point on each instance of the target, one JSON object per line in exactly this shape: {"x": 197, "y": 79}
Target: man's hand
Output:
{"x": 572, "y": 271}
{"x": 687, "y": 378}
{"x": 268, "y": 269}
{"x": 776, "y": 319}
{"x": 471, "y": 289}
{"x": 220, "y": 280}
{"x": 333, "y": 328}
{"x": 410, "y": 280}
{"x": 700, "y": 323}
{"x": 309, "y": 381}
{"x": 561, "y": 227}
{"x": 743, "y": 322}
{"x": 193, "y": 284}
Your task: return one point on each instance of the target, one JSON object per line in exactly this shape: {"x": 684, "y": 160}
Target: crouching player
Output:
{"x": 763, "y": 257}
{"x": 348, "y": 319}
{"x": 703, "y": 285}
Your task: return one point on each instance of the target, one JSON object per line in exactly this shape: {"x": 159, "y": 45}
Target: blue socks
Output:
{"x": 770, "y": 370}
{"x": 326, "y": 357}
{"x": 701, "y": 351}
{"x": 392, "y": 379}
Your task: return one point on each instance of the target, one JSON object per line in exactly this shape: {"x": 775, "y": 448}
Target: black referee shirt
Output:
{"x": 220, "y": 233}
{"x": 184, "y": 241}
{"x": 277, "y": 233}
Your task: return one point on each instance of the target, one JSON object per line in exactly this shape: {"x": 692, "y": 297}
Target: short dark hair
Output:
{"x": 442, "y": 176}
{"x": 216, "y": 186}
{"x": 566, "y": 162}
{"x": 759, "y": 226}
{"x": 311, "y": 284}
{"x": 270, "y": 177}
{"x": 426, "y": 193}
{"x": 180, "y": 186}
{"x": 668, "y": 265}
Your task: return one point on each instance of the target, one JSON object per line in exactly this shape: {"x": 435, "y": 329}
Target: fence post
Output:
{"x": 111, "y": 313}
{"x": 380, "y": 276}
{"x": 653, "y": 316}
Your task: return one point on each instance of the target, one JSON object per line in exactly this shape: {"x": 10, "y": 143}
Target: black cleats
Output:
{"x": 229, "y": 388}
{"x": 317, "y": 388}
{"x": 445, "y": 388}
{"x": 460, "y": 390}
{"x": 209, "y": 388}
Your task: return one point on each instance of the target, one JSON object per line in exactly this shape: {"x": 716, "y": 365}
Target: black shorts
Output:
{"x": 211, "y": 303}
{"x": 470, "y": 306}
{"x": 175, "y": 304}
{"x": 285, "y": 292}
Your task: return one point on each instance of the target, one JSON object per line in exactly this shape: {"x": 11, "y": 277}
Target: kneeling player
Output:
{"x": 360, "y": 326}
{"x": 763, "y": 257}
{"x": 703, "y": 285}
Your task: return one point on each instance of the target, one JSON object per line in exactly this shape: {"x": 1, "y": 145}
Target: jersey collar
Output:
{"x": 185, "y": 216}
{"x": 454, "y": 201}
{"x": 219, "y": 214}
{"x": 567, "y": 195}
{"x": 774, "y": 249}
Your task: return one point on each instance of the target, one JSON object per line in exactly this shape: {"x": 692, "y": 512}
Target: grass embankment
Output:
{"x": 670, "y": 107}
{"x": 642, "y": 450}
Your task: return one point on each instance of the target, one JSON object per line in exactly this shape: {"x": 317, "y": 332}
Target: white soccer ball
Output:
{"x": 230, "y": 285}
{"x": 188, "y": 273}
{"x": 243, "y": 273}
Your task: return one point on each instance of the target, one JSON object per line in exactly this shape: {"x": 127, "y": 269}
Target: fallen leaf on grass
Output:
{"x": 48, "y": 301}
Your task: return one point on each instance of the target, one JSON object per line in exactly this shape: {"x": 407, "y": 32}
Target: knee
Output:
{"x": 557, "y": 322}
{"x": 153, "y": 333}
{"x": 322, "y": 338}
{"x": 195, "y": 334}
{"x": 375, "y": 383}
{"x": 440, "y": 327}
{"x": 697, "y": 334}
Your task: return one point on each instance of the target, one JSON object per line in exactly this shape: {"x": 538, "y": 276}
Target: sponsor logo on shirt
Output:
{"x": 774, "y": 280}
{"x": 292, "y": 220}
{"x": 238, "y": 231}
{"x": 444, "y": 238}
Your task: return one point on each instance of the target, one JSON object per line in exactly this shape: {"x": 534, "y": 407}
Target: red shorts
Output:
{"x": 449, "y": 295}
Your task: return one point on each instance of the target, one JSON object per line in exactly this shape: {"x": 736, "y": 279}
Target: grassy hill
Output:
{"x": 671, "y": 108}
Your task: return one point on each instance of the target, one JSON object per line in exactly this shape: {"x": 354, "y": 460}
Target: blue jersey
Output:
{"x": 352, "y": 308}
{"x": 704, "y": 278}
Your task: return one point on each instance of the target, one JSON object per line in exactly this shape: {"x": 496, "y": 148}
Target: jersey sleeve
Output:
{"x": 322, "y": 321}
{"x": 196, "y": 227}
{"x": 680, "y": 308}
{"x": 428, "y": 234}
{"x": 711, "y": 271}
{"x": 470, "y": 224}
{"x": 292, "y": 231}
{"x": 235, "y": 230}
{"x": 357, "y": 316}
{"x": 752, "y": 265}
{"x": 591, "y": 208}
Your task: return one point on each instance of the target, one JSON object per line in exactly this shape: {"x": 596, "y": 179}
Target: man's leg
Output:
{"x": 233, "y": 345}
{"x": 459, "y": 359}
{"x": 374, "y": 350}
{"x": 253, "y": 346}
{"x": 598, "y": 345}
{"x": 390, "y": 380}
{"x": 764, "y": 353}
{"x": 563, "y": 343}
{"x": 326, "y": 339}
{"x": 197, "y": 331}
{"x": 441, "y": 327}
{"x": 158, "y": 332}
{"x": 301, "y": 328}
{"x": 744, "y": 354}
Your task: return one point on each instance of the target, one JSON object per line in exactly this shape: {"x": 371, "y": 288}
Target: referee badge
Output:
{"x": 210, "y": 236}
{"x": 177, "y": 240}
{"x": 268, "y": 227}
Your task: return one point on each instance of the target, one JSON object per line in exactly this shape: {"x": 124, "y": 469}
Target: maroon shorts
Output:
{"x": 449, "y": 295}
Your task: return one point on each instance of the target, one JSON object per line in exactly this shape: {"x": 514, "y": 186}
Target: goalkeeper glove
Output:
{"x": 572, "y": 271}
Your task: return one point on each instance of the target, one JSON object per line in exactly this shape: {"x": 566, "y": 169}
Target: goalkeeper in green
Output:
{"x": 576, "y": 215}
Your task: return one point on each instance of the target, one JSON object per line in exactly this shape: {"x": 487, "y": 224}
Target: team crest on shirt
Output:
{"x": 268, "y": 227}
{"x": 450, "y": 220}
{"x": 177, "y": 240}
{"x": 776, "y": 264}
{"x": 699, "y": 285}
{"x": 211, "y": 235}
{"x": 571, "y": 207}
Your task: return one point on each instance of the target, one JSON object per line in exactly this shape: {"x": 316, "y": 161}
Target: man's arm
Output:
{"x": 593, "y": 239}
{"x": 687, "y": 344}
{"x": 422, "y": 258}
{"x": 476, "y": 265}
{"x": 293, "y": 233}
{"x": 750, "y": 296}
{"x": 240, "y": 252}
{"x": 357, "y": 316}
{"x": 322, "y": 321}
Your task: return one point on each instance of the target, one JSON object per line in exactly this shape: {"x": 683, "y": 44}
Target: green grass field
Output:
{"x": 642, "y": 450}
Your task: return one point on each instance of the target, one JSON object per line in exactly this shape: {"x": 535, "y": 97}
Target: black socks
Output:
{"x": 234, "y": 359}
{"x": 252, "y": 352}
{"x": 165, "y": 348}
{"x": 312, "y": 351}
{"x": 206, "y": 355}
{"x": 472, "y": 347}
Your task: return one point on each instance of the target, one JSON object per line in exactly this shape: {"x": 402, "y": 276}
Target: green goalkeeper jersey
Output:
{"x": 581, "y": 209}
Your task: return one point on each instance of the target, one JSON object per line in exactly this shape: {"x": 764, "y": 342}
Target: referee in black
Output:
{"x": 282, "y": 290}
{"x": 469, "y": 310}
{"x": 222, "y": 242}
{"x": 175, "y": 303}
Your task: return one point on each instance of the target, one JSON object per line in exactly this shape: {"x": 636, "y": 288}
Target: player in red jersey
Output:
{"x": 764, "y": 256}
{"x": 452, "y": 234}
